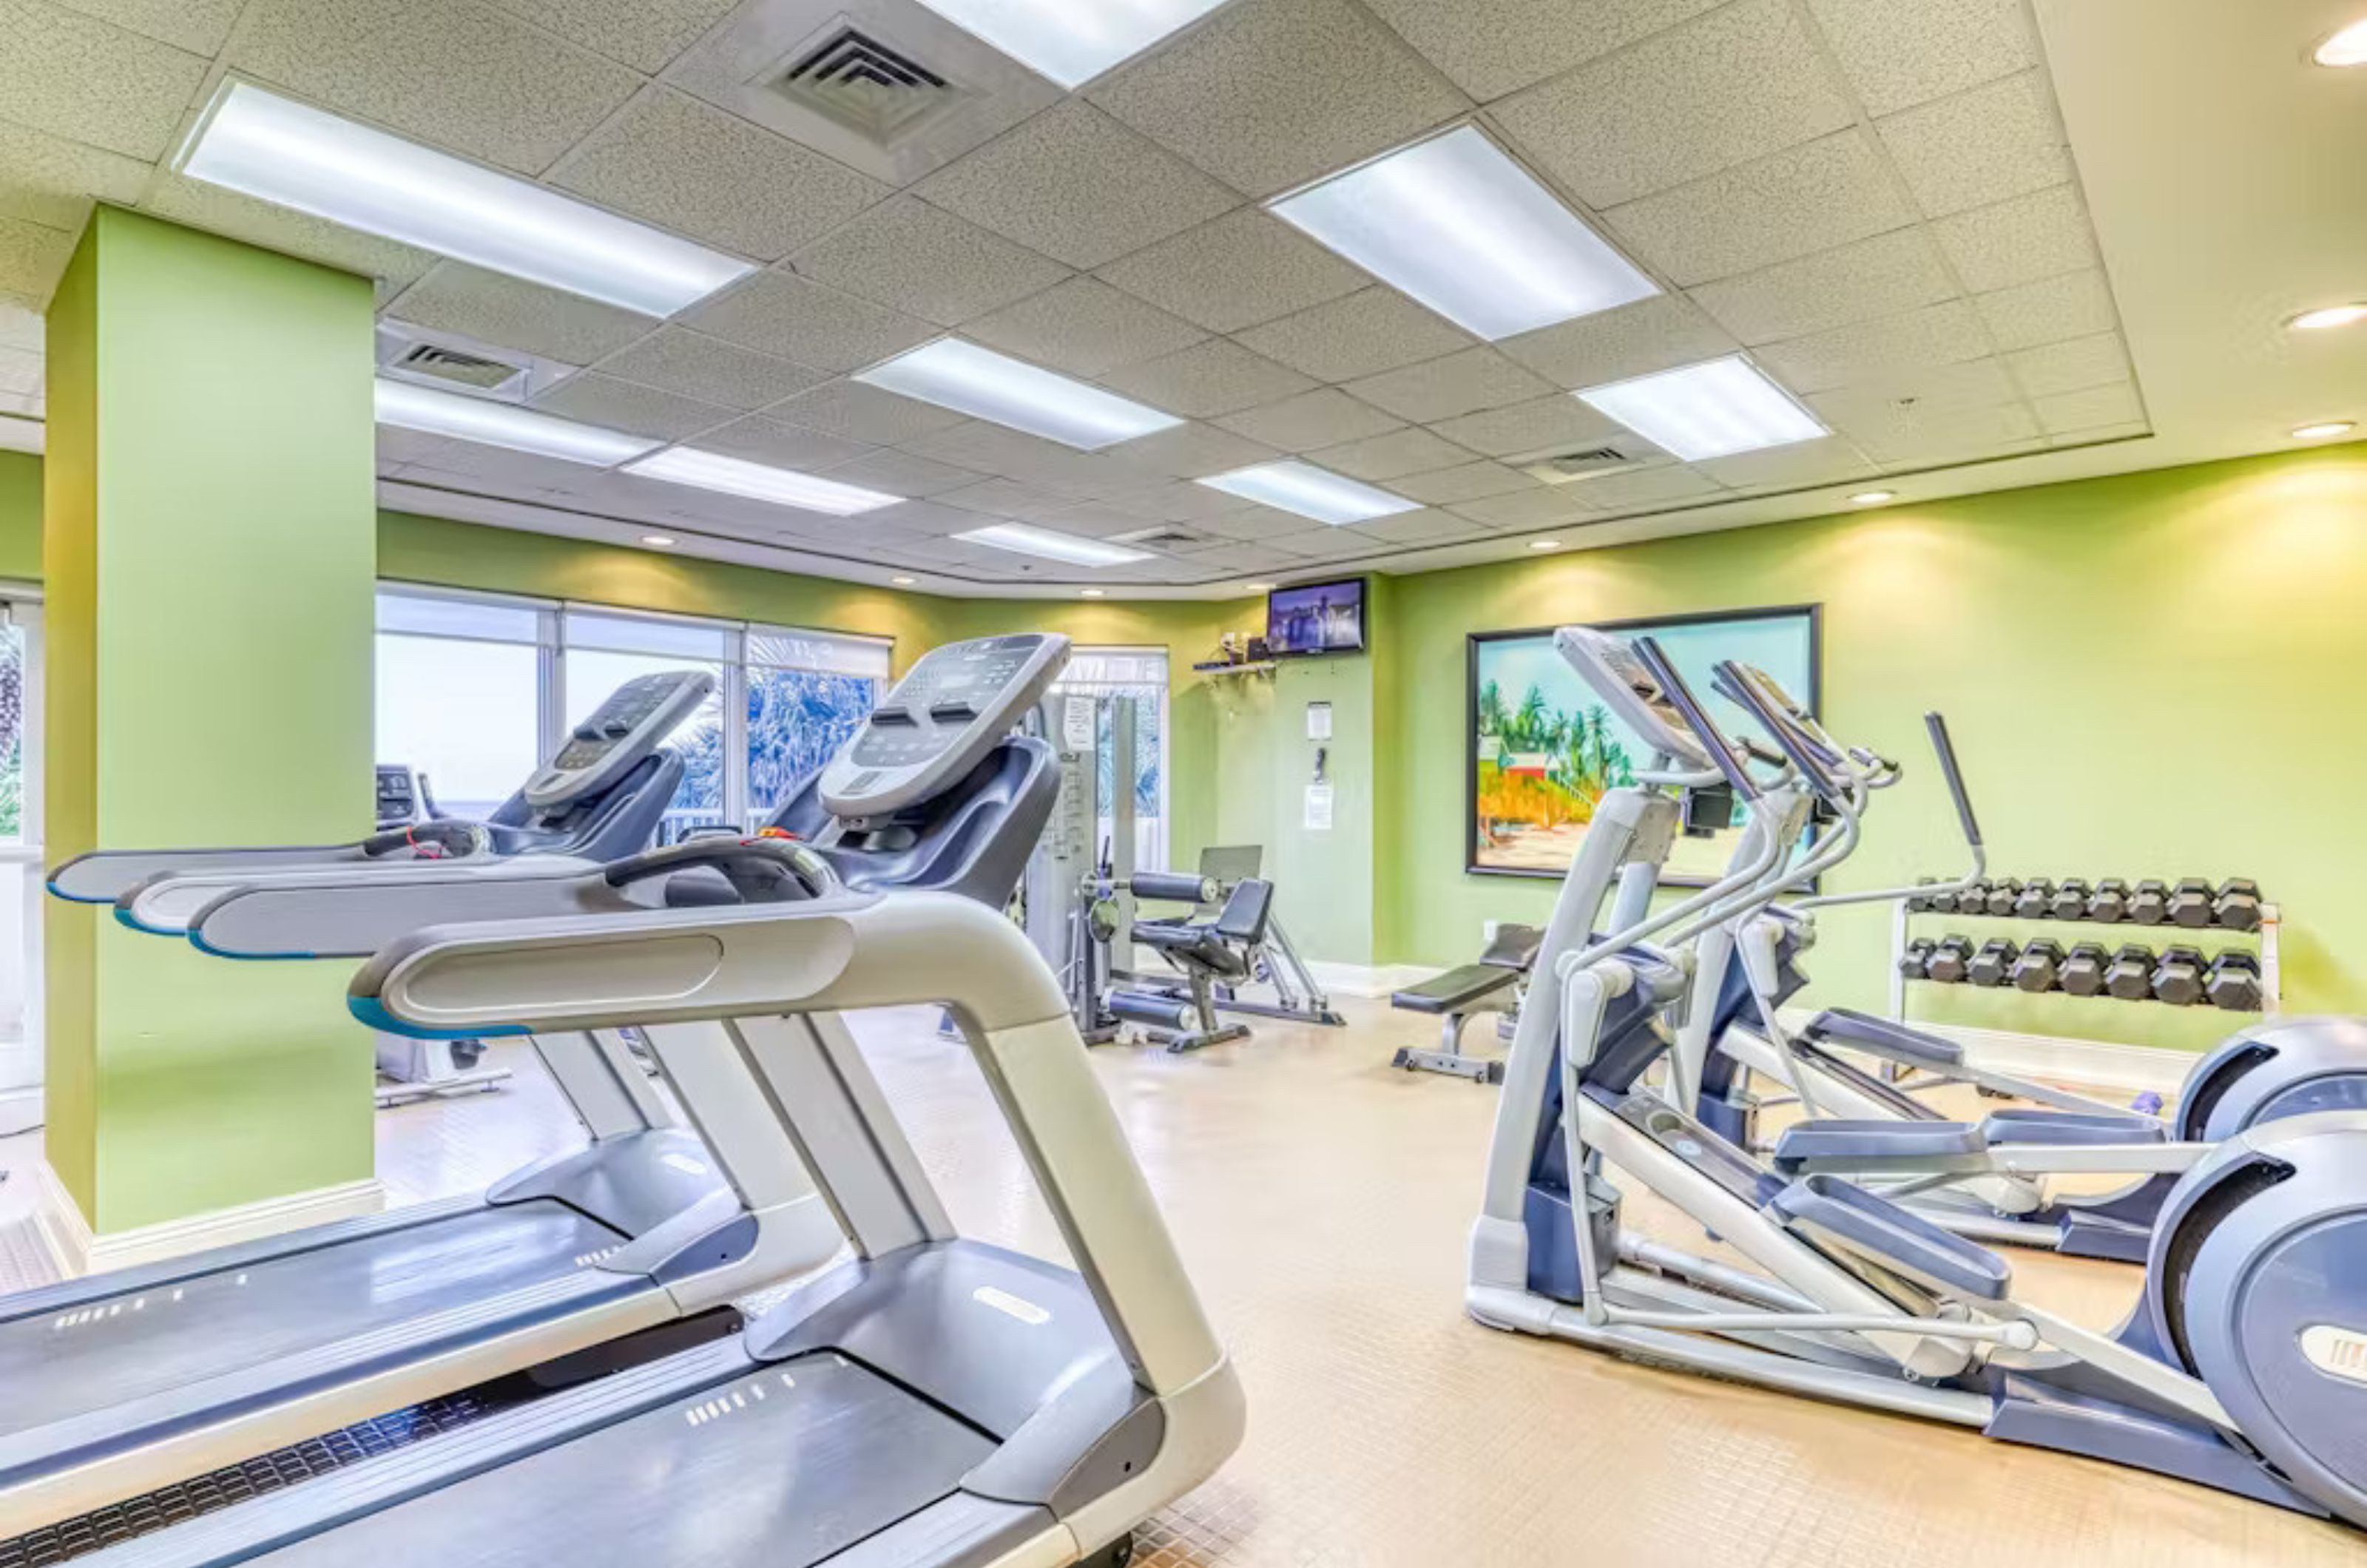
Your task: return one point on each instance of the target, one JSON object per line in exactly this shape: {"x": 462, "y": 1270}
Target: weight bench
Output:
{"x": 1210, "y": 954}
{"x": 1492, "y": 985}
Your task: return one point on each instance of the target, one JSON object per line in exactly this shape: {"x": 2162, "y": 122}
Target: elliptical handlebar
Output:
{"x": 1680, "y": 696}
{"x": 1937, "y": 727}
{"x": 1735, "y": 686}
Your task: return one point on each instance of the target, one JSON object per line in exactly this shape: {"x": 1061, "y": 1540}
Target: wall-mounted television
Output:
{"x": 1316, "y": 618}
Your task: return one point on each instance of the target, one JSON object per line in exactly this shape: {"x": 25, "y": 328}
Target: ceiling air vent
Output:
{"x": 438, "y": 363}
{"x": 871, "y": 88}
{"x": 1586, "y": 463}
{"x": 1165, "y": 539}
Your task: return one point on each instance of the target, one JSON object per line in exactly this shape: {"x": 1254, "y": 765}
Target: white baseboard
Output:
{"x": 2103, "y": 1063}
{"x": 76, "y": 1251}
{"x": 1367, "y": 979}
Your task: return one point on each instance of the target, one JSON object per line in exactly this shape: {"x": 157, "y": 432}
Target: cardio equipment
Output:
{"x": 2239, "y": 1370}
{"x": 931, "y": 1400}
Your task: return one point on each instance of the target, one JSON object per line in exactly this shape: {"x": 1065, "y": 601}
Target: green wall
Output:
{"x": 20, "y": 517}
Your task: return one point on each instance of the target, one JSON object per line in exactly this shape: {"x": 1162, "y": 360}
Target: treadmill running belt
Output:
{"x": 783, "y": 1466}
{"x": 152, "y": 1341}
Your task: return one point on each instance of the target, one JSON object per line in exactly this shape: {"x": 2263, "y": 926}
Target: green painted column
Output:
{"x": 209, "y": 544}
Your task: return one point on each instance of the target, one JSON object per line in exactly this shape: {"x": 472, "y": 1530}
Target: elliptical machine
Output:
{"x": 2244, "y": 1368}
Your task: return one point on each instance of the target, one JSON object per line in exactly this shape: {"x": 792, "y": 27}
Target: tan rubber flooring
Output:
{"x": 1322, "y": 1201}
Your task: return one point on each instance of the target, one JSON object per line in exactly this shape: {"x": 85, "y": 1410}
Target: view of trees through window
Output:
{"x": 12, "y": 732}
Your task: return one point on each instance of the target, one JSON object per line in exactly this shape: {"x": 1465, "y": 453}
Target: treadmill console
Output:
{"x": 632, "y": 724}
{"x": 945, "y": 714}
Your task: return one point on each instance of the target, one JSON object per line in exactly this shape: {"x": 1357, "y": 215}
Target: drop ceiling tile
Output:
{"x": 1423, "y": 527}
{"x": 1540, "y": 506}
{"x": 693, "y": 365}
{"x": 1725, "y": 88}
{"x": 927, "y": 263}
{"x": 1364, "y": 334}
{"x": 201, "y": 205}
{"x": 456, "y": 74}
{"x": 1007, "y": 498}
{"x": 643, "y": 34}
{"x": 1324, "y": 417}
{"x": 1488, "y": 47}
{"x": 1327, "y": 545}
{"x": 1986, "y": 145}
{"x": 2105, "y": 433}
{"x": 1077, "y": 186}
{"x": 1795, "y": 203}
{"x": 1245, "y": 558}
{"x": 675, "y": 162}
{"x": 1658, "y": 333}
{"x": 1840, "y": 357}
{"x": 2043, "y": 234}
{"x": 465, "y": 461}
{"x": 1895, "y": 436}
{"x": 48, "y": 180}
{"x": 1379, "y": 458}
{"x": 763, "y": 440}
{"x": 497, "y": 309}
{"x": 1828, "y": 460}
{"x": 1192, "y": 450}
{"x": 865, "y": 413}
{"x": 1245, "y": 267}
{"x": 1085, "y": 327}
{"x": 1461, "y": 383}
{"x": 1644, "y": 488}
{"x": 1880, "y": 277}
{"x": 603, "y": 400}
{"x": 926, "y": 517}
{"x": 1209, "y": 379}
{"x": 2076, "y": 304}
{"x": 1014, "y": 453}
{"x": 776, "y": 313}
{"x": 1465, "y": 481}
{"x": 2113, "y": 404}
{"x": 1898, "y": 52}
{"x": 1101, "y": 519}
{"x": 32, "y": 258}
{"x": 902, "y": 473}
{"x": 89, "y": 81}
{"x": 398, "y": 447}
{"x": 1261, "y": 525}
{"x": 197, "y": 26}
{"x": 2072, "y": 365}
{"x": 1923, "y": 388}
{"x": 1546, "y": 424}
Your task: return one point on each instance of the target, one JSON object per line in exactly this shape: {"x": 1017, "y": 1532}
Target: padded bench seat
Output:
{"x": 1458, "y": 990}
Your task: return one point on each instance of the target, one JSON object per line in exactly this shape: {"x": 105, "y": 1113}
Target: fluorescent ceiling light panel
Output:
{"x": 1043, "y": 542}
{"x": 1711, "y": 410}
{"x": 293, "y": 156}
{"x": 986, "y": 384}
{"x": 1311, "y": 492}
{"x": 489, "y": 424}
{"x": 1455, "y": 223}
{"x": 1071, "y": 40}
{"x": 757, "y": 481}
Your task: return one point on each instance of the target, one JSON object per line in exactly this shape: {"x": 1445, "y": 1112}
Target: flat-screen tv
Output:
{"x": 1316, "y": 618}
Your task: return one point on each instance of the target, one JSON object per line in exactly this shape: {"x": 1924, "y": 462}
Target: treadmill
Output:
{"x": 931, "y": 1400}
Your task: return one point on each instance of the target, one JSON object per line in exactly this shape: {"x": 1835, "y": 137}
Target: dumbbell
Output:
{"x": 1971, "y": 898}
{"x": 1950, "y": 957}
{"x": 1918, "y": 954}
{"x": 2109, "y": 902}
{"x": 2083, "y": 969}
{"x": 2177, "y": 979}
{"x": 2190, "y": 902}
{"x": 2237, "y": 906}
{"x": 2233, "y": 982}
{"x": 2001, "y": 895}
{"x": 2069, "y": 901}
{"x": 2036, "y": 900}
{"x": 1993, "y": 965}
{"x": 2150, "y": 904}
{"x": 1920, "y": 902}
{"x": 2129, "y": 976}
{"x": 2040, "y": 966}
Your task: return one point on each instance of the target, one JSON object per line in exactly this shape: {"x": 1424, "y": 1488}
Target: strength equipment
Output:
{"x": 1219, "y": 949}
{"x": 1993, "y": 965}
{"x": 2040, "y": 966}
{"x": 1269, "y": 958}
{"x": 1493, "y": 984}
{"x": 2238, "y": 1371}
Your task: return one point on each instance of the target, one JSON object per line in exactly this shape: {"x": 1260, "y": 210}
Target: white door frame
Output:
{"x": 20, "y": 1061}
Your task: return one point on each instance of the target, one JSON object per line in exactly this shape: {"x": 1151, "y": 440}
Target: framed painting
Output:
{"x": 1541, "y": 747}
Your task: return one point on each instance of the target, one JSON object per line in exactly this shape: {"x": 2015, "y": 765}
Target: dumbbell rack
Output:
{"x": 2271, "y": 924}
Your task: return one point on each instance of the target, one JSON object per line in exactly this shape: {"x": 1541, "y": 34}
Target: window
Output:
{"x": 474, "y": 690}
{"x": 1140, "y": 675}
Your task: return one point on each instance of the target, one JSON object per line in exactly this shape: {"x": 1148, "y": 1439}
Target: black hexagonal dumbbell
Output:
{"x": 1993, "y": 965}
{"x": 2040, "y": 966}
{"x": 2109, "y": 902}
{"x": 2129, "y": 975}
{"x": 2082, "y": 974}
{"x": 2177, "y": 979}
{"x": 2190, "y": 902}
{"x": 1918, "y": 954}
{"x": 1950, "y": 957}
{"x": 2070, "y": 899}
{"x": 2150, "y": 904}
{"x": 2237, "y": 906}
{"x": 2233, "y": 982}
{"x": 2036, "y": 899}
{"x": 1970, "y": 899}
{"x": 2000, "y": 898}
{"x": 1921, "y": 903}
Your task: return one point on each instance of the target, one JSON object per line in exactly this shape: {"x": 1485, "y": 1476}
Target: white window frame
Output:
{"x": 1150, "y": 655}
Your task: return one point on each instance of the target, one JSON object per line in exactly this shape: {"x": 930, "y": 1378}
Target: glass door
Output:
{"x": 20, "y": 864}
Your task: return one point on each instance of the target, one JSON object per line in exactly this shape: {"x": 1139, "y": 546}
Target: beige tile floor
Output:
{"x": 1320, "y": 1200}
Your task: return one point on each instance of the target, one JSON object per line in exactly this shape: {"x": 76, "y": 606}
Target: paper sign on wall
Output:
{"x": 1318, "y": 808}
{"x": 1319, "y": 721}
{"x": 1077, "y": 722}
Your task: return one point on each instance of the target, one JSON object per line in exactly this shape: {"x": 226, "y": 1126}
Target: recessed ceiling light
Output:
{"x": 1544, "y": 544}
{"x": 658, "y": 541}
{"x": 2329, "y": 317}
{"x": 1089, "y": 592}
{"x": 1257, "y": 587}
{"x": 973, "y": 380}
{"x": 2325, "y": 430}
{"x": 293, "y": 156}
{"x": 1067, "y": 41}
{"x": 2346, "y": 47}
{"x": 1456, "y": 224}
{"x": 489, "y": 424}
{"x": 1872, "y": 497}
{"x": 1311, "y": 492}
{"x": 1043, "y": 542}
{"x": 1710, "y": 409}
{"x": 901, "y": 582}
{"x": 757, "y": 481}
